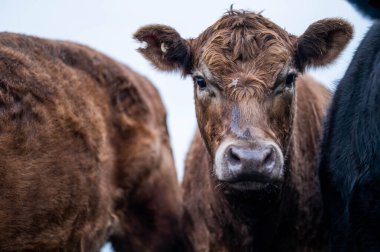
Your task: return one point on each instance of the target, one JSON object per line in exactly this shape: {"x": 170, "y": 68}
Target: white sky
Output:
{"x": 108, "y": 27}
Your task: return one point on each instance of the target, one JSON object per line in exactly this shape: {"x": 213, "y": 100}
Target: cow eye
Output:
{"x": 200, "y": 82}
{"x": 290, "y": 79}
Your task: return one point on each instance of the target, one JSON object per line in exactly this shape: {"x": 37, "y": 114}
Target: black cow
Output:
{"x": 350, "y": 157}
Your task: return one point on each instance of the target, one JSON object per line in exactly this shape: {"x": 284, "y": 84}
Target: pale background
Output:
{"x": 108, "y": 27}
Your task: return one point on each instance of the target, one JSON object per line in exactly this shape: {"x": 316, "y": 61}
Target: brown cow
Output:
{"x": 84, "y": 152}
{"x": 251, "y": 177}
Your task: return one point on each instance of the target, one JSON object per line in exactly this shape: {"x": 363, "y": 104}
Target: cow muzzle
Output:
{"x": 249, "y": 166}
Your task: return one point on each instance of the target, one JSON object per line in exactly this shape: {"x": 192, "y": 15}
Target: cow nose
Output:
{"x": 247, "y": 161}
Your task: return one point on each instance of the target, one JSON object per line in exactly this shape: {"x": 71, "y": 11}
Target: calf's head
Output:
{"x": 244, "y": 69}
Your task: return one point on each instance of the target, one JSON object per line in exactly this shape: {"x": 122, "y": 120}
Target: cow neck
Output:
{"x": 247, "y": 220}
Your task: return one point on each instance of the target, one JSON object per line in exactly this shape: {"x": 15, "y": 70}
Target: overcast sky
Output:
{"x": 108, "y": 27}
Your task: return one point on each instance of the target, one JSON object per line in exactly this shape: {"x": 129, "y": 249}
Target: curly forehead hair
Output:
{"x": 243, "y": 42}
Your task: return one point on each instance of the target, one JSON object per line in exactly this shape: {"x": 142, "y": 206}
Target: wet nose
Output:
{"x": 243, "y": 161}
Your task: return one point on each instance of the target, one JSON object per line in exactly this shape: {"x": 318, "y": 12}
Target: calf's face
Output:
{"x": 244, "y": 69}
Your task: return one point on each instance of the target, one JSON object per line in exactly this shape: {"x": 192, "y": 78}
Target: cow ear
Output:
{"x": 164, "y": 47}
{"x": 322, "y": 42}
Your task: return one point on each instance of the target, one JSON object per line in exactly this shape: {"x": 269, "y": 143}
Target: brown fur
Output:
{"x": 243, "y": 44}
{"x": 84, "y": 152}
{"x": 218, "y": 220}
{"x": 244, "y": 62}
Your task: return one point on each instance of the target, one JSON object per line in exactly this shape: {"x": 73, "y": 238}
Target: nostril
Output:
{"x": 233, "y": 157}
{"x": 269, "y": 158}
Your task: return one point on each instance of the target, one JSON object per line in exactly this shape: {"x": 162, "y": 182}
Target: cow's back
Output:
{"x": 75, "y": 128}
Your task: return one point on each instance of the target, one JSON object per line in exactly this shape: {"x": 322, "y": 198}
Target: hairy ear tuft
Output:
{"x": 164, "y": 47}
{"x": 322, "y": 42}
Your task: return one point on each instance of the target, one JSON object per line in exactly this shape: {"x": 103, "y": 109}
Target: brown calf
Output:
{"x": 84, "y": 152}
{"x": 251, "y": 179}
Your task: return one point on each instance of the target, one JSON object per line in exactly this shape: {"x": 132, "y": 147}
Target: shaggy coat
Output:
{"x": 350, "y": 161}
{"x": 84, "y": 152}
{"x": 251, "y": 179}
{"x": 221, "y": 220}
